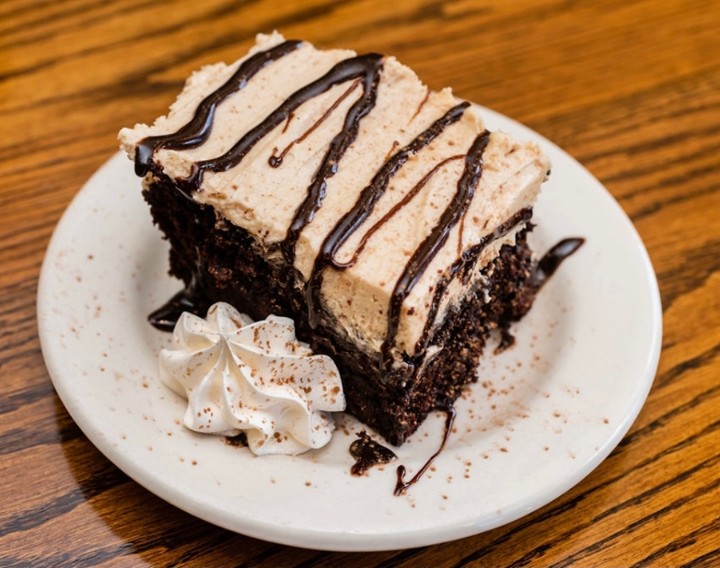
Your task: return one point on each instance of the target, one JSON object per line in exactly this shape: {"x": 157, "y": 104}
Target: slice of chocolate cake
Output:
{"x": 338, "y": 190}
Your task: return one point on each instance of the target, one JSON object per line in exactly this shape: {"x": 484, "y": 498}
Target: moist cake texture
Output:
{"x": 338, "y": 190}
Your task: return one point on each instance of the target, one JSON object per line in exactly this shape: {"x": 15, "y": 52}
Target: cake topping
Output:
{"x": 255, "y": 378}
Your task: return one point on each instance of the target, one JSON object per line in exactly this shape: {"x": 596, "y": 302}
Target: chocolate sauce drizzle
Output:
{"x": 395, "y": 210}
{"x": 422, "y": 257}
{"x": 365, "y": 204}
{"x": 549, "y": 263}
{"x": 188, "y": 299}
{"x": 275, "y": 161}
{"x": 368, "y": 453}
{"x": 196, "y": 132}
{"x": 367, "y": 68}
{"x": 422, "y": 104}
{"x": 468, "y": 257}
{"x": 401, "y": 486}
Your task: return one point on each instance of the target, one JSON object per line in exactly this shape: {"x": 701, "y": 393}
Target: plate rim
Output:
{"x": 351, "y": 541}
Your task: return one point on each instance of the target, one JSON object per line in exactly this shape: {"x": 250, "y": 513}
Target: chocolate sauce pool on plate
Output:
{"x": 368, "y": 453}
{"x": 549, "y": 263}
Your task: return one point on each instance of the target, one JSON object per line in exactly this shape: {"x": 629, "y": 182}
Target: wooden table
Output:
{"x": 631, "y": 89}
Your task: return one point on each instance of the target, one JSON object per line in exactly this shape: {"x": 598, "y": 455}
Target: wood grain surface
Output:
{"x": 630, "y": 88}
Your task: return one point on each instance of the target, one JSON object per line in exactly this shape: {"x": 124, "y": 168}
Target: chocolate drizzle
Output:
{"x": 275, "y": 161}
{"x": 549, "y": 263}
{"x": 189, "y": 299}
{"x": 422, "y": 257}
{"x": 365, "y": 204}
{"x": 186, "y": 300}
{"x": 196, "y": 132}
{"x": 401, "y": 486}
{"x": 395, "y": 209}
{"x": 468, "y": 257}
{"x": 367, "y": 67}
{"x": 422, "y": 104}
{"x": 368, "y": 453}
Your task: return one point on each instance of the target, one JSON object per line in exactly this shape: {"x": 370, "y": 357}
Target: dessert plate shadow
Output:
{"x": 541, "y": 417}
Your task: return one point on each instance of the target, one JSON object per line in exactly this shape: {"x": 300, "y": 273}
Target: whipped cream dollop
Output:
{"x": 252, "y": 377}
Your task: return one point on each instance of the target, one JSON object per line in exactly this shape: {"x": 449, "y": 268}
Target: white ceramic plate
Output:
{"x": 544, "y": 414}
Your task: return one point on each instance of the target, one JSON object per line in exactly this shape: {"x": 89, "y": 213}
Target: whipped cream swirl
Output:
{"x": 252, "y": 377}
